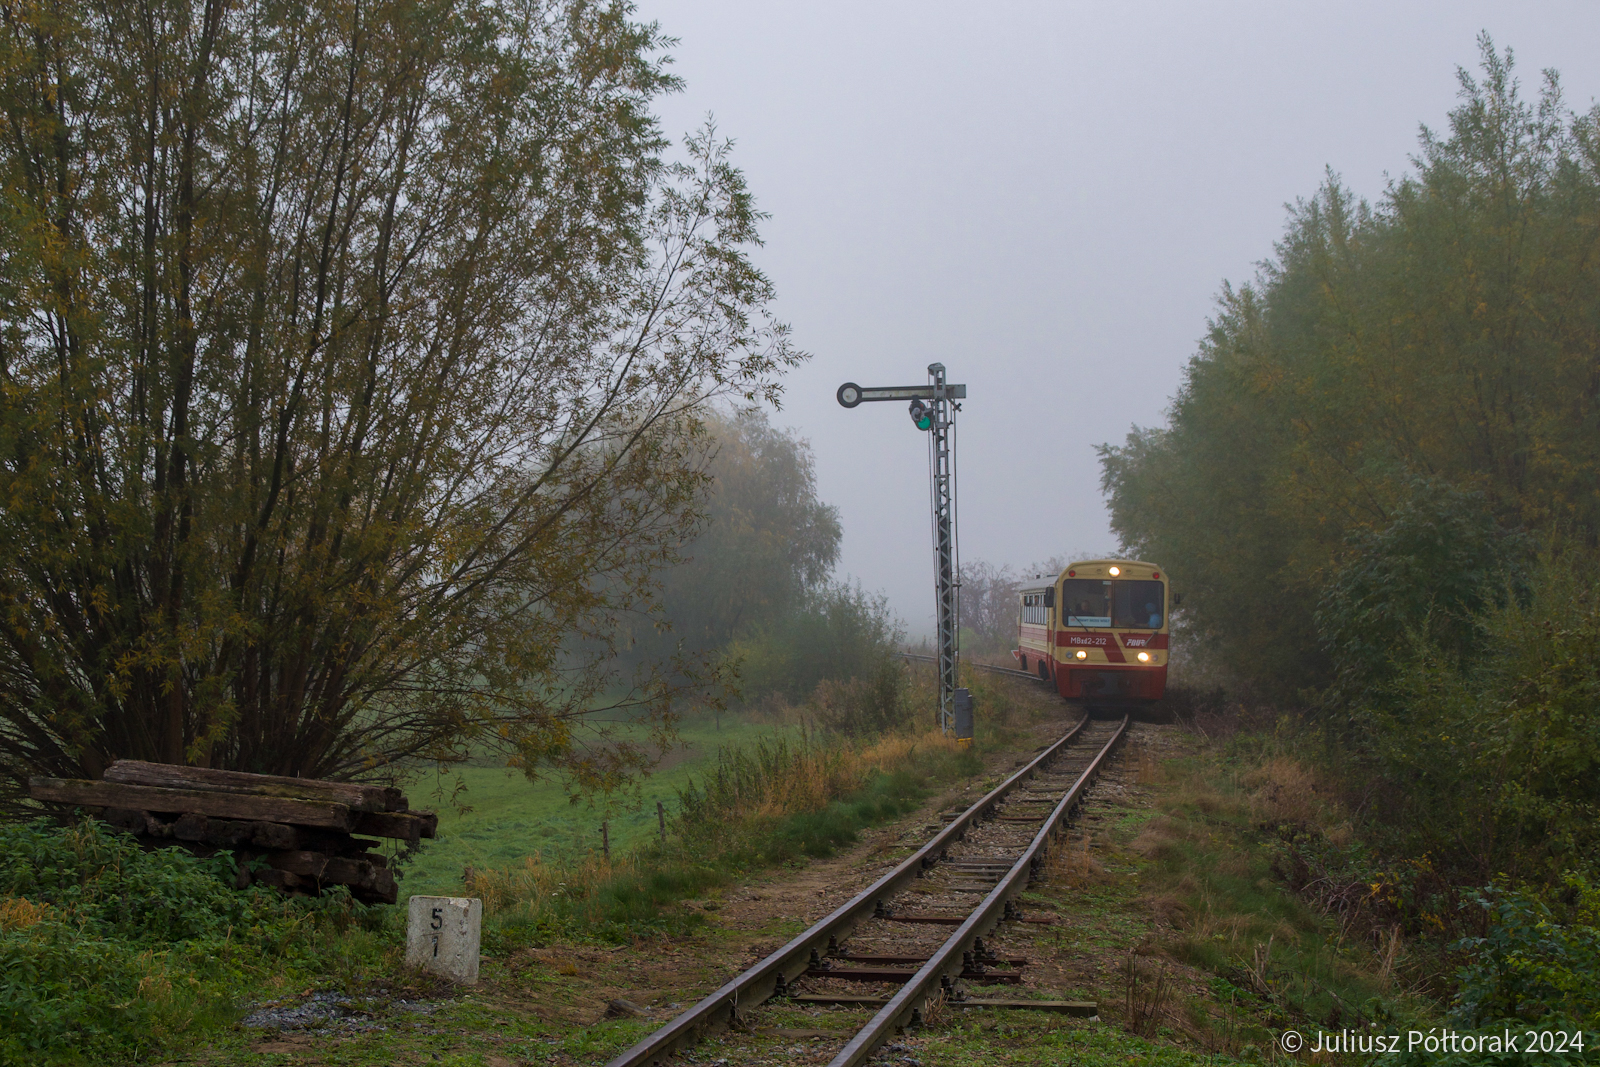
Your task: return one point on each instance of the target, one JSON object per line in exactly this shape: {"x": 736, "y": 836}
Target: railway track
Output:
{"x": 881, "y": 953}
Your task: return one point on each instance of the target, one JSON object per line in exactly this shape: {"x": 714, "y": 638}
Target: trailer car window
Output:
{"x": 1033, "y": 610}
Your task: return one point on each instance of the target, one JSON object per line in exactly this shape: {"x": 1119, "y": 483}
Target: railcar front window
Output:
{"x": 1099, "y": 602}
{"x": 1088, "y": 601}
{"x": 1138, "y": 604}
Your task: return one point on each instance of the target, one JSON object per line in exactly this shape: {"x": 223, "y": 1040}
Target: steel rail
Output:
{"x": 929, "y": 980}
{"x": 756, "y": 984}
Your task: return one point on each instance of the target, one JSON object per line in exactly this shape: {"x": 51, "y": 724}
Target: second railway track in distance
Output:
{"x": 989, "y": 668}
{"x": 915, "y": 937}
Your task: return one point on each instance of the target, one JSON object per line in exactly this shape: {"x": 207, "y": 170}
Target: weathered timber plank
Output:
{"x": 338, "y": 870}
{"x": 368, "y": 881}
{"x": 408, "y": 826}
{"x": 308, "y": 864}
{"x": 383, "y": 890}
{"x": 224, "y": 805}
{"x": 342, "y": 870}
{"x": 191, "y": 826}
{"x": 274, "y": 835}
{"x": 229, "y": 833}
{"x": 352, "y": 795}
{"x": 279, "y": 879}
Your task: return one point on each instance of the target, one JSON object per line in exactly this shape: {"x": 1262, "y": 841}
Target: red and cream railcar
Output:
{"x": 1099, "y": 631}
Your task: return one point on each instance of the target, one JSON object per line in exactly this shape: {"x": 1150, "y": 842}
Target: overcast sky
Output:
{"x": 1046, "y": 198}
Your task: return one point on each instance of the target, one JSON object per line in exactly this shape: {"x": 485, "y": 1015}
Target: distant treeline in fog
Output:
{"x": 756, "y": 587}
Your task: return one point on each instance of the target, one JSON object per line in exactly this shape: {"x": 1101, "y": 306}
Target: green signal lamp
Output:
{"x": 921, "y": 415}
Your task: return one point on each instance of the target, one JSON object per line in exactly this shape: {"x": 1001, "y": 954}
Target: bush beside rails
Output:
{"x": 1471, "y": 762}
{"x": 836, "y": 634}
{"x": 1489, "y": 764}
{"x": 1538, "y": 960}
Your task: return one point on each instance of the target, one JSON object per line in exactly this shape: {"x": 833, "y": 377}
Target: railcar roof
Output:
{"x": 1050, "y": 580}
{"x": 1087, "y": 562}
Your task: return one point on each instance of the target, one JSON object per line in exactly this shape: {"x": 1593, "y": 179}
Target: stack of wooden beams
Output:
{"x": 304, "y": 829}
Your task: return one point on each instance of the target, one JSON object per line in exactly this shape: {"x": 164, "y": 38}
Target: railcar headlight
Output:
{"x": 1115, "y": 571}
{"x": 1144, "y": 657}
{"x": 1082, "y": 654}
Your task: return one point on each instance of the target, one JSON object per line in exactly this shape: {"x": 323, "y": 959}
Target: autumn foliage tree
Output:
{"x": 350, "y": 354}
{"x": 1379, "y": 487}
{"x": 1408, "y": 362}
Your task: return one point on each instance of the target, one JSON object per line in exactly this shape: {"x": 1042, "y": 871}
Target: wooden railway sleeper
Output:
{"x": 1011, "y": 961}
{"x": 900, "y": 975}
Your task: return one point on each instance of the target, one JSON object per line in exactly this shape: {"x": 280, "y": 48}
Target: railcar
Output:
{"x": 1098, "y": 631}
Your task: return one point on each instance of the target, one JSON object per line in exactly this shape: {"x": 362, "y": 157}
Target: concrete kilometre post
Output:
{"x": 442, "y": 937}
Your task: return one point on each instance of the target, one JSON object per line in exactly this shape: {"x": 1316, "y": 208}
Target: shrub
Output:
{"x": 1439, "y": 563}
{"x": 1491, "y": 766}
{"x": 108, "y": 952}
{"x": 1539, "y": 960}
{"x": 112, "y": 886}
{"x": 838, "y": 633}
{"x": 862, "y": 707}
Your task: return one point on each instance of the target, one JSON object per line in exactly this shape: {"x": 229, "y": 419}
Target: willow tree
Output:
{"x": 350, "y": 353}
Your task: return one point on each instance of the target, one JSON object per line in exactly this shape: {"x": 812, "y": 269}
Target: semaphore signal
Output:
{"x": 932, "y": 409}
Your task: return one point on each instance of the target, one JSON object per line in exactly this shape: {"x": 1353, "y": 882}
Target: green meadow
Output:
{"x": 491, "y": 816}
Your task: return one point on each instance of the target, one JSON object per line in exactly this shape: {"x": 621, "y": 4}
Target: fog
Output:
{"x": 1046, "y": 198}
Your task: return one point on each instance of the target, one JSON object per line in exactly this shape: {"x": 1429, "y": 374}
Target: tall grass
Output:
{"x": 1235, "y": 831}
{"x": 770, "y": 803}
{"x": 774, "y": 779}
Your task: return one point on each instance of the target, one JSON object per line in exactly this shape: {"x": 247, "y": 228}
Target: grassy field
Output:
{"x": 500, "y": 816}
